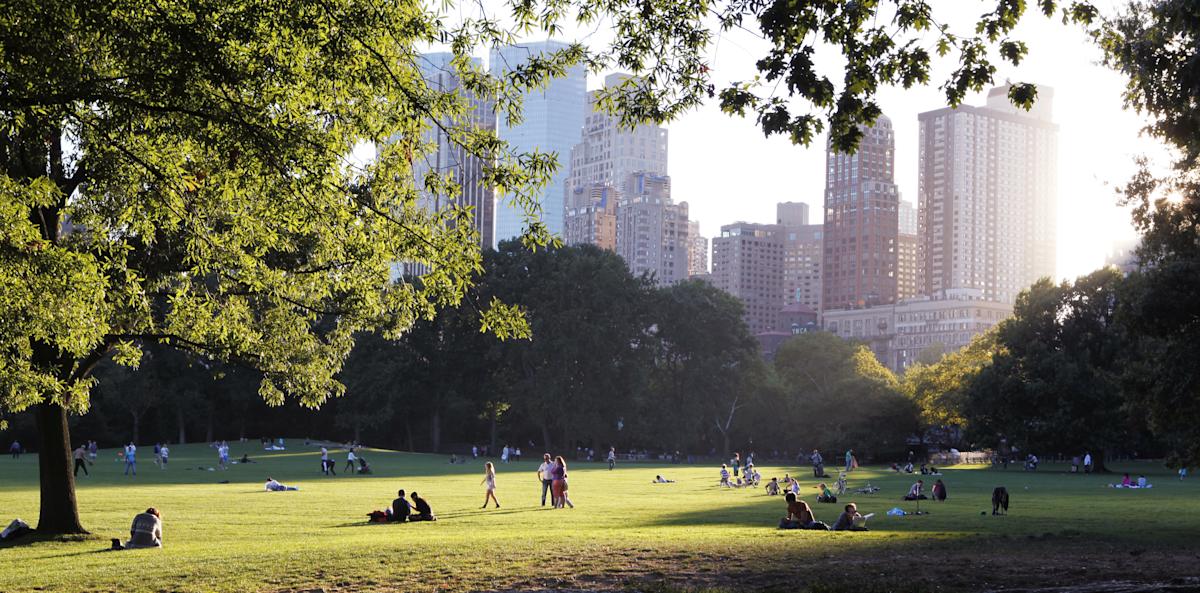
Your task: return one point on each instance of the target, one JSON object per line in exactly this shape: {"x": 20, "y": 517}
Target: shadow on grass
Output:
{"x": 445, "y": 517}
{"x": 37, "y": 538}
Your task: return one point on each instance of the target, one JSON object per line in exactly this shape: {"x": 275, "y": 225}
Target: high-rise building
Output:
{"x": 652, "y": 231}
{"x": 697, "y": 250}
{"x": 447, "y": 158}
{"x": 908, "y": 264}
{"x": 553, "y": 117}
{"x": 803, "y": 250}
{"x": 608, "y": 154}
{"x": 593, "y": 219}
{"x": 987, "y": 200}
{"x": 861, "y": 222}
{"x": 791, "y": 213}
{"x": 747, "y": 262}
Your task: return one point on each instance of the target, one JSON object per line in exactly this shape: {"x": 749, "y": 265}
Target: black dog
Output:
{"x": 999, "y": 500}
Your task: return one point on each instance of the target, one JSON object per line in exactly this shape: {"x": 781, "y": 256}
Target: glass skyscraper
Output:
{"x": 553, "y": 120}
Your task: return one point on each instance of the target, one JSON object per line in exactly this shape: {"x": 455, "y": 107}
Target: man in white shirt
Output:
{"x": 1087, "y": 463}
{"x": 543, "y": 474}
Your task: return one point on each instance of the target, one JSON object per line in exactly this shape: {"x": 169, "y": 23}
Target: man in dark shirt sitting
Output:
{"x": 401, "y": 509}
{"x": 423, "y": 512}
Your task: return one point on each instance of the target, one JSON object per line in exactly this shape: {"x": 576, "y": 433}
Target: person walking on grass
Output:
{"x": 80, "y": 455}
{"x": 849, "y": 460}
{"x": 489, "y": 482}
{"x": 612, "y": 458}
{"x": 543, "y": 474}
{"x": 559, "y": 474}
{"x": 158, "y": 455}
{"x": 351, "y": 459}
{"x": 15, "y": 449}
{"x": 165, "y": 455}
{"x": 565, "y": 497}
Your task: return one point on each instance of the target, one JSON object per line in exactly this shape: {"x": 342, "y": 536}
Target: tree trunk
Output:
{"x": 179, "y": 417}
{"x": 137, "y": 422}
{"x": 492, "y": 433}
{"x": 408, "y": 433}
{"x": 436, "y": 431}
{"x": 208, "y": 428}
{"x": 358, "y": 431}
{"x": 59, "y": 510}
{"x": 545, "y": 438}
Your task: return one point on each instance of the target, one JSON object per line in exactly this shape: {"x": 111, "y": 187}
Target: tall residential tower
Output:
{"x": 987, "y": 196}
{"x": 861, "y": 222}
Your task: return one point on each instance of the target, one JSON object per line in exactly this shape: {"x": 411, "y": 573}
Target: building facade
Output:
{"x": 803, "y": 249}
{"x": 697, "y": 250}
{"x": 553, "y": 117}
{"x": 987, "y": 200}
{"x": 651, "y": 230}
{"x": 593, "y": 219}
{"x": 898, "y": 333}
{"x": 607, "y": 154}
{"x": 447, "y": 159}
{"x": 861, "y": 222}
{"x": 747, "y": 262}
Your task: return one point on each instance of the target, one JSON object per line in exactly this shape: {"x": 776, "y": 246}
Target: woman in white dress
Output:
{"x": 489, "y": 480}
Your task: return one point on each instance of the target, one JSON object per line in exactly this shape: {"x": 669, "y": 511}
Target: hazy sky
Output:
{"x": 728, "y": 171}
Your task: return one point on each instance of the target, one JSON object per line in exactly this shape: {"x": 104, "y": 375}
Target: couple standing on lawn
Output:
{"x": 553, "y": 475}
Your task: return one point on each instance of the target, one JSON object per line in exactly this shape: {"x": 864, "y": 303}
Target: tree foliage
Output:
{"x": 836, "y": 394}
{"x": 939, "y": 388}
{"x": 1054, "y": 384}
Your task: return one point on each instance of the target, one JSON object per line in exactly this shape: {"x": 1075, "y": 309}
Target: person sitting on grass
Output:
{"x": 939, "y": 491}
{"x": 245, "y": 458}
{"x": 772, "y": 487}
{"x": 423, "y": 512}
{"x": 1126, "y": 482}
{"x": 725, "y": 476}
{"x": 400, "y": 510}
{"x": 794, "y": 510}
{"x": 849, "y": 520}
{"x": 662, "y": 480}
{"x": 917, "y": 492}
{"x": 146, "y": 531}
{"x": 363, "y": 468}
{"x": 274, "y": 486}
{"x": 826, "y": 494}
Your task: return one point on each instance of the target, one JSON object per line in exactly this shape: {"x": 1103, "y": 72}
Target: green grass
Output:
{"x": 235, "y": 537}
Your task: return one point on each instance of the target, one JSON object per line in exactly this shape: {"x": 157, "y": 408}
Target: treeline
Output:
{"x": 1083, "y": 366}
{"x": 614, "y": 360}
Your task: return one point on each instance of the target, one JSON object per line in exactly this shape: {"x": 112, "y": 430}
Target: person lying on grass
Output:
{"x": 662, "y": 480}
{"x": 273, "y": 485}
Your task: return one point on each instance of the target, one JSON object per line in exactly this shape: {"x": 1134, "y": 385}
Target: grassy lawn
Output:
{"x": 625, "y": 530}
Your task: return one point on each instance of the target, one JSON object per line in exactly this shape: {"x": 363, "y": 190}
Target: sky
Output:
{"x": 727, "y": 171}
